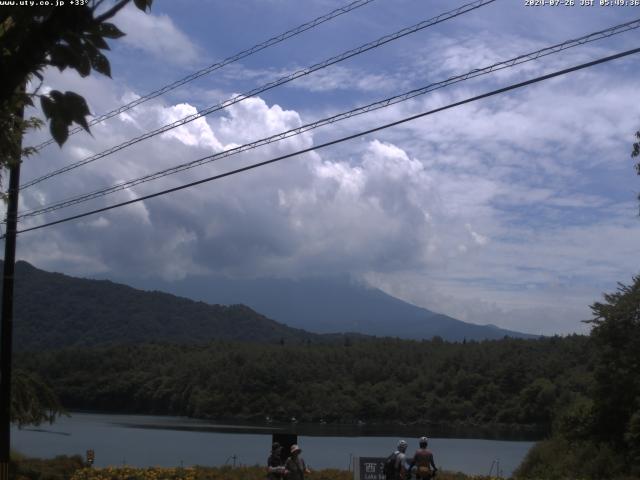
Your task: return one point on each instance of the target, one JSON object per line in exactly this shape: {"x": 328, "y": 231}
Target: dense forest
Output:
{"x": 597, "y": 435}
{"x": 505, "y": 382}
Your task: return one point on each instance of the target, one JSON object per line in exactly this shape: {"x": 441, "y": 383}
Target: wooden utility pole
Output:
{"x": 6, "y": 324}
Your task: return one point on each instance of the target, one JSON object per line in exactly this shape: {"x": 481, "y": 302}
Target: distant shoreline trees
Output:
{"x": 598, "y": 434}
{"x": 510, "y": 382}
{"x": 33, "y": 402}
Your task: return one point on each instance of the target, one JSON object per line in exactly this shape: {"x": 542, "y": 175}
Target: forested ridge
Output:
{"x": 508, "y": 382}
{"x": 53, "y": 310}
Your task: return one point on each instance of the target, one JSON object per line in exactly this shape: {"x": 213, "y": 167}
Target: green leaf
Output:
{"x": 77, "y": 102}
{"x": 59, "y": 130}
{"x": 83, "y": 65}
{"x": 62, "y": 110}
{"x": 99, "y": 42}
{"x": 77, "y": 108}
{"x": 143, "y": 4}
{"x": 56, "y": 95}
{"x": 59, "y": 106}
{"x": 61, "y": 56}
{"x": 33, "y": 123}
{"x": 89, "y": 48}
{"x": 109, "y": 30}
{"x": 28, "y": 151}
{"x": 100, "y": 64}
{"x": 73, "y": 56}
{"x": 48, "y": 106}
{"x": 82, "y": 121}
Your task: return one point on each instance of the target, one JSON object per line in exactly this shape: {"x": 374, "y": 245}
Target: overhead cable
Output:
{"x": 339, "y": 140}
{"x": 615, "y": 30}
{"x": 205, "y": 71}
{"x": 268, "y": 86}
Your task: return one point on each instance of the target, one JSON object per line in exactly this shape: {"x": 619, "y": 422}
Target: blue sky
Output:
{"x": 518, "y": 210}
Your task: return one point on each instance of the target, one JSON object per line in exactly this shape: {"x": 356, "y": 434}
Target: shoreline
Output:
{"x": 498, "y": 432}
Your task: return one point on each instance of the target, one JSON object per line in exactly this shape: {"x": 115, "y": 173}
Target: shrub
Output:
{"x": 58, "y": 468}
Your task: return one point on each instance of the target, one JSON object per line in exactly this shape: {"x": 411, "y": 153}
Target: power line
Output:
{"x": 205, "y": 71}
{"x": 268, "y": 86}
{"x": 615, "y": 30}
{"x": 342, "y": 139}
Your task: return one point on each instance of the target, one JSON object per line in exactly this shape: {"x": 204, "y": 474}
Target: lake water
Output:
{"x": 172, "y": 441}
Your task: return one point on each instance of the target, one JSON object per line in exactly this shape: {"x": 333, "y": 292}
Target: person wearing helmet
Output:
{"x": 402, "y": 469}
{"x": 422, "y": 462}
{"x": 275, "y": 465}
{"x": 401, "y": 459}
{"x": 394, "y": 466}
{"x": 295, "y": 468}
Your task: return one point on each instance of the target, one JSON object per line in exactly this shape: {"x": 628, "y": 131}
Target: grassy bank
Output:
{"x": 74, "y": 468}
{"x": 220, "y": 473}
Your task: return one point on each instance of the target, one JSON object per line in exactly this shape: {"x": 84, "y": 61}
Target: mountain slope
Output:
{"x": 325, "y": 305}
{"x": 53, "y": 310}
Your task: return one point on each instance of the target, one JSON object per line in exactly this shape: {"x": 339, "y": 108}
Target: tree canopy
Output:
{"x": 616, "y": 396}
{"x": 41, "y": 36}
{"x": 511, "y": 383}
{"x": 32, "y": 400}
{"x": 598, "y": 434}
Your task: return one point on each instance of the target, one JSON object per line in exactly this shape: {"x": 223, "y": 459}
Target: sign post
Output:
{"x": 368, "y": 468}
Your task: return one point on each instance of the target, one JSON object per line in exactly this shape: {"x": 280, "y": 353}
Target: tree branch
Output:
{"x": 97, "y": 4}
{"x": 112, "y": 11}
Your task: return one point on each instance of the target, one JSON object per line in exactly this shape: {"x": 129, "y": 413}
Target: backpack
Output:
{"x": 389, "y": 467}
{"x": 423, "y": 468}
{"x": 424, "y": 471}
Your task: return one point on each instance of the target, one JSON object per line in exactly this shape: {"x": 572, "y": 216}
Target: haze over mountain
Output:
{"x": 53, "y": 310}
{"x": 331, "y": 305}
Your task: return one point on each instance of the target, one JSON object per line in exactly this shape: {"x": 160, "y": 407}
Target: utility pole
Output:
{"x": 6, "y": 324}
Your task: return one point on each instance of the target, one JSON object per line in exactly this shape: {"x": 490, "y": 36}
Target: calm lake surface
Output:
{"x": 171, "y": 441}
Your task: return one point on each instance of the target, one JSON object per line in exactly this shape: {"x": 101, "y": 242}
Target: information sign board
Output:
{"x": 369, "y": 468}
